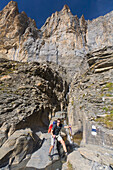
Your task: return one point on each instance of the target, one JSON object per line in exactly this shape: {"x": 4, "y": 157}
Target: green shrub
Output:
{"x": 109, "y": 86}
{"x": 72, "y": 102}
{"x": 105, "y": 108}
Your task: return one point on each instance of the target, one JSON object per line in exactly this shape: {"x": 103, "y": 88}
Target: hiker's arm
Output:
{"x": 67, "y": 127}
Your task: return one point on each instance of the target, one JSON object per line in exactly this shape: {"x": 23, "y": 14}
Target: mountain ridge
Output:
{"x": 64, "y": 38}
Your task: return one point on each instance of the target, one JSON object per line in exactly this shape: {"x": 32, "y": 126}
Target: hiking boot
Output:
{"x": 66, "y": 153}
{"x": 50, "y": 157}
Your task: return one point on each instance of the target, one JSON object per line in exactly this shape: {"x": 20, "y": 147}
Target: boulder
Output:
{"x": 18, "y": 145}
{"x": 98, "y": 154}
{"x": 76, "y": 161}
{"x": 40, "y": 158}
{"x": 90, "y": 157}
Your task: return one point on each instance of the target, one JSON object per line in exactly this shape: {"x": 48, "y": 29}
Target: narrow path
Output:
{"x": 40, "y": 159}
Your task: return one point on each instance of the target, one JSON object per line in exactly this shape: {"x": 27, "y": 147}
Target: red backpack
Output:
{"x": 51, "y": 126}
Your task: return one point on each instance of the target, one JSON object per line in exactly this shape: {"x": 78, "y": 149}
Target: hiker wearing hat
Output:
{"x": 55, "y": 135}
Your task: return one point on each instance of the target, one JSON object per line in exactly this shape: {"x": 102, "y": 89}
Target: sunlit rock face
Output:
{"x": 99, "y": 32}
{"x": 64, "y": 36}
{"x": 31, "y": 92}
{"x": 63, "y": 39}
{"x": 13, "y": 25}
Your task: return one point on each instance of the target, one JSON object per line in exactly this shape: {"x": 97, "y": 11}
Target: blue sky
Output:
{"x": 40, "y": 10}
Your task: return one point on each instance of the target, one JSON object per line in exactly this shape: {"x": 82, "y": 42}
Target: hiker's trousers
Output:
{"x": 59, "y": 138}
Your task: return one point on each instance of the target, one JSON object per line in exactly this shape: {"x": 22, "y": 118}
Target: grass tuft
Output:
{"x": 70, "y": 167}
{"x": 108, "y": 120}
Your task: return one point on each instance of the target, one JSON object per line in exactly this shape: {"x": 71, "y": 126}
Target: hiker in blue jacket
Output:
{"x": 55, "y": 135}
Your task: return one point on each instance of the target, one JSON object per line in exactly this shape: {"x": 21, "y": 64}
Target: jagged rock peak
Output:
{"x": 66, "y": 8}
{"x": 10, "y": 10}
{"x": 83, "y": 22}
{"x": 11, "y": 5}
{"x": 82, "y": 19}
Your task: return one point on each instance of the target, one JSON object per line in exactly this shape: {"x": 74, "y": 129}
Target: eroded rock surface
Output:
{"x": 29, "y": 90}
{"x": 30, "y": 93}
{"x": 90, "y": 157}
{"x": 91, "y": 98}
{"x": 18, "y": 145}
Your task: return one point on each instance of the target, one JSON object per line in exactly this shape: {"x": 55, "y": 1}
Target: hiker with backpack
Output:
{"x": 56, "y": 136}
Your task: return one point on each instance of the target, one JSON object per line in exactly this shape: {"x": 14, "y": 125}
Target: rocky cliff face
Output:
{"x": 27, "y": 90}
{"x": 63, "y": 39}
{"x": 91, "y": 98}
{"x": 13, "y": 25}
{"x": 31, "y": 92}
{"x": 90, "y": 110}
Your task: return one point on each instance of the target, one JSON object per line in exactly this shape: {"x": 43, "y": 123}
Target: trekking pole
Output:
{"x": 71, "y": 132}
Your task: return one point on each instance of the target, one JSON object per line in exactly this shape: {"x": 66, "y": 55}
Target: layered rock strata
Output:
{"x": 91, "y": 99}
{"x": 30, "y": 90}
